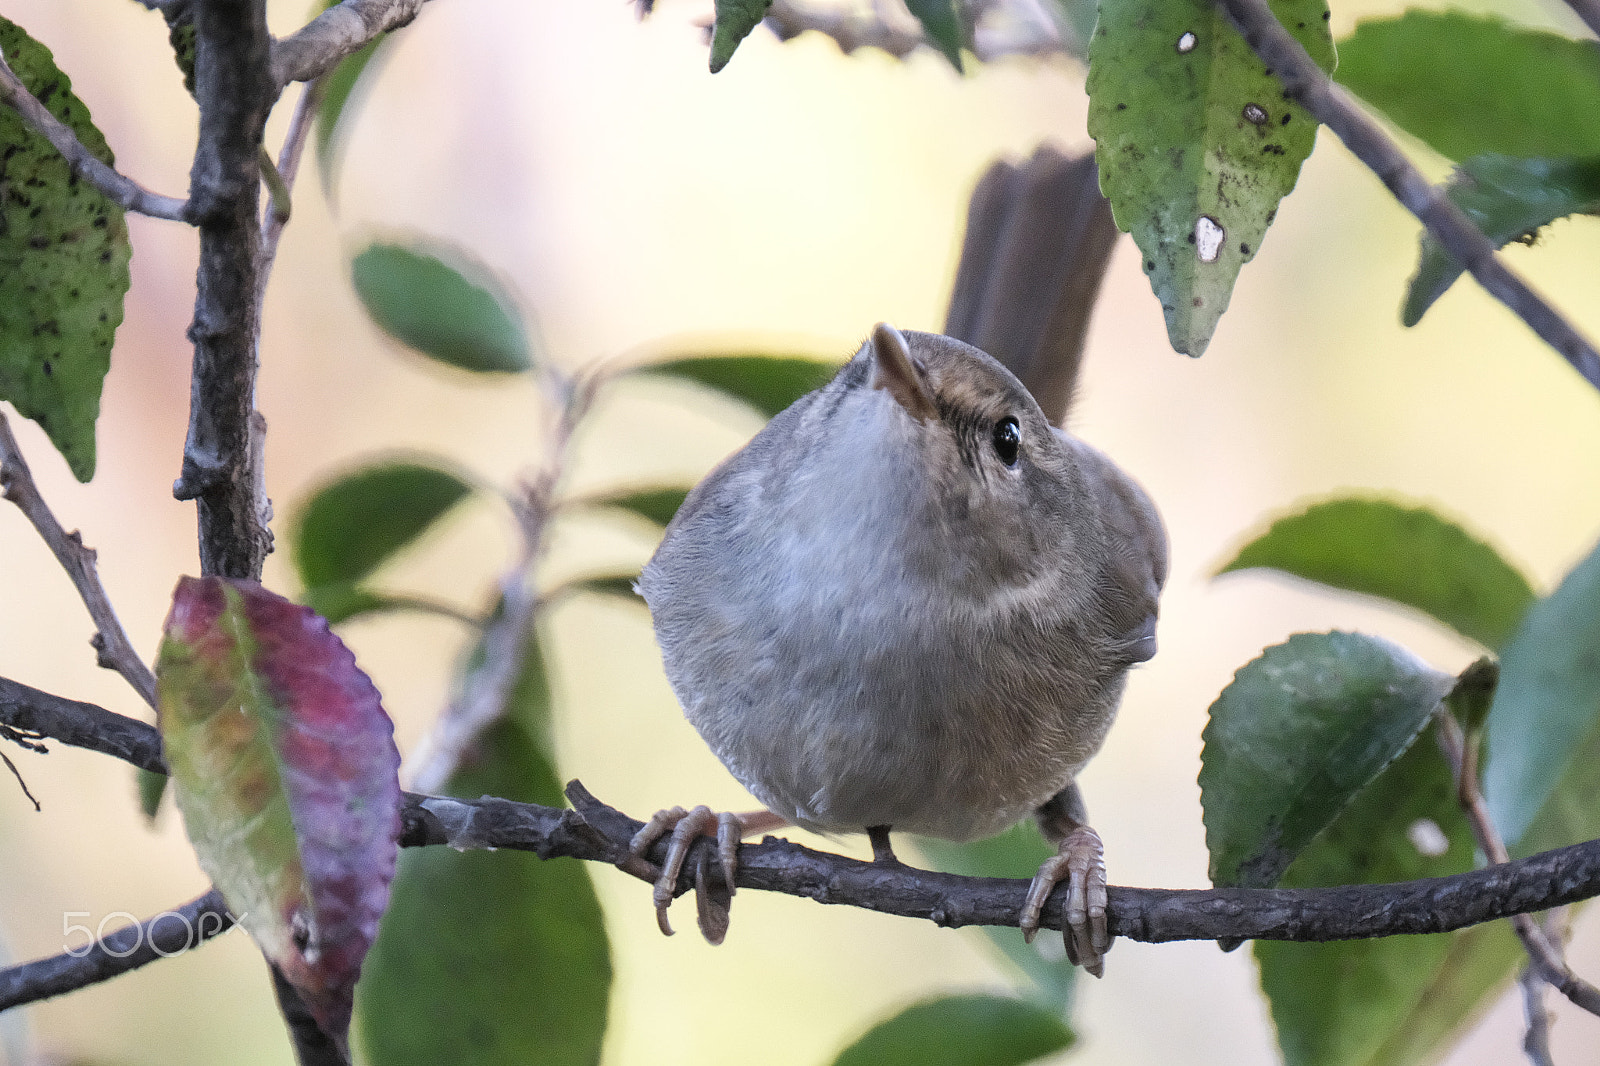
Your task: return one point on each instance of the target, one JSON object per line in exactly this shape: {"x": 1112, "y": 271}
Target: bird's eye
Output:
{"x": 1007, "y": 438}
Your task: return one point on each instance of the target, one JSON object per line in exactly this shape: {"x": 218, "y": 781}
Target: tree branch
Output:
{"x": 114, "y": 650}
{"x": 120, "y": 190}
{"x": 222, "y": 457}
{"x": 1304, "y": 82}
{"x": 1544, "y": 957}
{"x": 595, "y": 832}
{"x": 317, "y": 47}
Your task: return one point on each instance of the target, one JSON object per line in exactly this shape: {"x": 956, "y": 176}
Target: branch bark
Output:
{"x": 317, "y": 47}
{"x": 111, "y": 643}
{"x": 120, "y": 190}
{"x": 222, "y": 457}
{"x": 1305, "y": 83}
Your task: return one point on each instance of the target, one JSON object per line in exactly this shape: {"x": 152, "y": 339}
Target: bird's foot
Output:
{"x": 686, "y": 827}
{"x": 1081, "y": 863}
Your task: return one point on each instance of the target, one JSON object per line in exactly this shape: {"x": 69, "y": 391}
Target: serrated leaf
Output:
{"x": 1543, "y": 728}
{"x": 1405, "y": 554}
{"x": 1508, "y": 199}
{"x": 1338, "y": 1003}
{"x": 63, "y": 264}
{"x": 1018, "y": 852}
{"x": 969, "y": 1030}
{"x": 1196, "y": 144}
{"x": 1298, "y": 732}
{"x": 285, "y": 769}
{"x": 653, "y": 505}
{"x": 454, "y": 312}
{"x": 735, "y": 19}
{"x": 941, "y": 25}
{"x": 490, "y": 958}
{"x": 1471, "y": 84}
{"x": 352, "y": 525}
{"x": 769, "y": 383}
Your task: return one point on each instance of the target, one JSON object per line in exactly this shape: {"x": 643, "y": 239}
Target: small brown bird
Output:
{"x": 910, "y": 602}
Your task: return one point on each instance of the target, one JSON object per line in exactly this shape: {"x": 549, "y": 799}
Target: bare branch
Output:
{"x": 82, "y": 725}
{"x": 120, "y": 190}
{"x": 1304, "y": 82}
{"x": 167, "y": 934}
{"x": 507, "y": 635}
{"x": 111, "y": 642}
{"x": 222, "y": 457}
{"x": 294, "y": 142}
{"x": 1544, "y": 957}
{"x": 317, "y": 47}
{"x": 1589, "y": 12}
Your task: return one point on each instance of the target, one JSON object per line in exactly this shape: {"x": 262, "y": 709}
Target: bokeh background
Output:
{"x": 637, "y": 202}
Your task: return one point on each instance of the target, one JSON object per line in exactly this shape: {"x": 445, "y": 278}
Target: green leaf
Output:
{"x": 491, "y": 958}
{"x": 1337, "y": 1004}
{"x": 338, "y": 104}
{"x": 63, "y": 264}
{"x": 1509, "y": 199}
{"x": 769, "y": 383}
{"x": 735, "y": 19}
{"x": 1470, "y": 84}
{"x": 1543, "y": 730}
{"x": 1406, "y": 554}
{"x": 1018, "y": 852}
{"x": 970, "y": 1030}
{"x": 941, "y": 26}
{"x": 152, "y": 788}
{"x": 1296, "y": 734}
{"x": 653, "y": 505}
{"x": 353, "y": 524}
{"x": 454, "y": 312}
{"x": 1196, "y": 144}
{"x": 284, "y": 766}
{"x": 617, "y": 585}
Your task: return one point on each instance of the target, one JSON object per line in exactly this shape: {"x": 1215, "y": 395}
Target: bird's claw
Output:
{"x": 686, "y": 827}
{"x": 1084, "y": 930}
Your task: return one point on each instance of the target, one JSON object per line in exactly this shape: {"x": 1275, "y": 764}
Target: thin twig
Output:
{"x": 167, "y": 934}
{"x": 120, "y": 190}
{"x": 506, "y": 636}
{"x": 317, "y": 47}
{"x": 223, "y": 453}
{"x": 1589, "y": 12}
{"x": 18, "y": 775}
{"x": 1304, "y": 82}
{"x": 114, "y": 650}
{"x": 1536, "y": 1039}
{"x": 1544, "y": 957}
{"x": 294, "y": 142}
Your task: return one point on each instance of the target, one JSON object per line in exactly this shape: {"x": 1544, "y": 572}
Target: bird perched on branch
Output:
{"x": 910, "y": 603}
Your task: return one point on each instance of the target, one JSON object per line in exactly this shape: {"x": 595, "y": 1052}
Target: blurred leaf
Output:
{"x": 1337, "y": 1004}
{"x": 1078, "y": 18}
{"x": 618, "y": 585}
{"x": 1196, "y": 144}
{"x": 769, "y": 383}
{"x": 180, "y": 35}
{"x": 285, "y": 768}
{"x": 63, "y": 264}
{"x": 1299, "y": 732}
{"x": 152, "y": 788}
{"x": 491, "y": 958}
{"x": 339, "y": 98}
{"x": 1508, "y": 199}
{"x": 1471, "y": 84}
{"x": 456, "y": 313}
{"x": 940, "y": 25}
{"x": 971, "y": 1030}
{"x": 735, "y": 19}
{"x": 1543, "y": 730}
{"x": 353, "y": 524}
{"x": 652, "y": 505}
{"x": 340, "y": 603}
{"x": 1406, "y": 554}
{"x": 1018, "y": 852}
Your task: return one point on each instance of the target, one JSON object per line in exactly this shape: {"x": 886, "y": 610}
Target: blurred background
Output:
{"x": 638, "y": 203}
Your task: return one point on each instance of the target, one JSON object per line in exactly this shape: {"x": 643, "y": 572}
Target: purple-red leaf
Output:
{"x": 286, "y": 773}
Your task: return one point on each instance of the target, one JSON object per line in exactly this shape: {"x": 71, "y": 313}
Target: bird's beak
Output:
{"x": 894, "y": 370}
